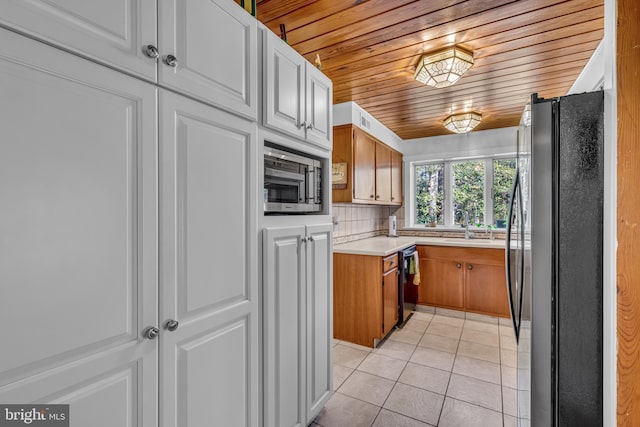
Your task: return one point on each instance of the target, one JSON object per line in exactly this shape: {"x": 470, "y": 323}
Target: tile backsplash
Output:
{"x": 355, "y": 222}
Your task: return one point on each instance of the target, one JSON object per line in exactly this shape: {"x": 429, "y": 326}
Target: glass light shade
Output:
{"x": 443, "y": 68}
{"x": 462, "y": 123}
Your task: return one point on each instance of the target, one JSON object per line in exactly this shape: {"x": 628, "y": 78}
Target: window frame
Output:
{"x": 448, "y": 214}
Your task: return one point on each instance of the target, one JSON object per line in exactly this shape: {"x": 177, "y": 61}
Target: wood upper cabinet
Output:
{"x": 396, "y": 177}
{"x": 383, "y": 173}
{"x": 373, "y": 170}
{"x": 364, "y": 167}
{"x": 470, "y": 279}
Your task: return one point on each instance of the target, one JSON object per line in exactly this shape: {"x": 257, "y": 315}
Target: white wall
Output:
{"x": 592, "y": 75}
{"x": 350, "y": 112}
{"x": 472, "y": 144}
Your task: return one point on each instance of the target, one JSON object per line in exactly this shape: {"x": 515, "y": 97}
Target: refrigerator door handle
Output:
{"x": 516, "y": 182}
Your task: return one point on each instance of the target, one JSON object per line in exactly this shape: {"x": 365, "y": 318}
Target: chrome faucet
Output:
{"x": 467, "y": 234}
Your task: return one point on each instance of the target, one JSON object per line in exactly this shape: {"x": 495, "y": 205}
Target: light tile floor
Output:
{"x": 438, "y": 370}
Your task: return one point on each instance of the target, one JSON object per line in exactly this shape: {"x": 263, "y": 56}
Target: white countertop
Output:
{"x": 383, "y": 246}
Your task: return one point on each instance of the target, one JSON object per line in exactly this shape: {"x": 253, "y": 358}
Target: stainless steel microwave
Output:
{"x": 292, "y": 182}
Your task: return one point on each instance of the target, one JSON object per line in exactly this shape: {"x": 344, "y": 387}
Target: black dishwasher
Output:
{"x": 403, "y": 264}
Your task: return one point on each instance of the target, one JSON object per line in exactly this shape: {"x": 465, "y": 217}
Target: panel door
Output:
{"x": 396, "y": 177}
{"x": 442, "y": 283}
{"x": 110, "y": 33}
{"x": 319, "y": 332}
{"x": 319, "y": 108}
{"x": 389, "y": 301}
{"x": 284, "y": 85}
{"x": 383, "y": 173}
{"x": 208, "y": 255}
{"x": 78, "y": 264}
{"x": 284, "y": 301}
{"x": 485, "y": 289}
{"x": 215, "y": 46}
{"x": 364, "y": 166}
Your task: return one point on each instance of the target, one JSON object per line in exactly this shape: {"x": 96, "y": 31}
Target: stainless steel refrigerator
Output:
{"x": 554, "y": 261}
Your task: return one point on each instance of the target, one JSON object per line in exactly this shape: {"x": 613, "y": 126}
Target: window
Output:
{"x": 504, "y": 170}
{"x": 444, "y": 191}
{"x": 429, "y": 181}
{"x": 468, "y": 191}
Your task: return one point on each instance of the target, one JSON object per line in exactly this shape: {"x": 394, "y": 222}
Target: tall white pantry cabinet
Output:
{"x": 128, "y": 211}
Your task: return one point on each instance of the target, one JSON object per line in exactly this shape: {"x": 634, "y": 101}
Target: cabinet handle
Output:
{"x": 303, "y": 240}
{"x": 310, "y": 126}
{"x": 302, "y": 125}
{"x": 371, "y": 196}
{"x": 377, "y": 196}
{"x": 171, "y": 325}
{"x": 151, "y": 51}
{"x": 171, "y": 60}
{"x": 458, "y": 265}
{"x": 393, "y": 198}
{"x": 470, "y": 267}
{"x": 151, "y": 333}
{"x": 311, "y": 238}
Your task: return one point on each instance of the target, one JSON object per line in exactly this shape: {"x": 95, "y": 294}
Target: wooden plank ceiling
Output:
{"x": 369, "y": 48}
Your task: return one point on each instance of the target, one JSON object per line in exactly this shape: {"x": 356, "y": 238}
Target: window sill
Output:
{"x": 451, "y": 228}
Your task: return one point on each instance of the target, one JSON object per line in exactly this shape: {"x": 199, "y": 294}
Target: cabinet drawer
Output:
{"x": 389, "y": 262}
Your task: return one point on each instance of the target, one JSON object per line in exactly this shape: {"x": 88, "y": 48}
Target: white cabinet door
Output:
{"x": 215, "y": 46}
{"x": 319, "y": 108}
{"x": 284, "y": 80}
{"x": 113, "y": 33}
{"x": 208, "y": 255}
{"x": 78, "y": 252}
{"x": 319, "y": 290}
{"x": 284, "y": 299}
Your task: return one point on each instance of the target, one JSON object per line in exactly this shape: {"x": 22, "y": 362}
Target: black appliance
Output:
{"x": 554, "y": 261}
{"x": 404, "y": 257}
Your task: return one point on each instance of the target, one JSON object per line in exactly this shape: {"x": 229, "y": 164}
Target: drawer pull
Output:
{"x": 470, "y": 267}
{"x": 458, "y": 265}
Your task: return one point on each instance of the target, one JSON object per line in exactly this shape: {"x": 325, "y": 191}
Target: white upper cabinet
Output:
{"x": 113, "y": 33}
{"x": 319, "y": 108}
{"x": 298, "y": 97}
{"x": 208, "y": 50}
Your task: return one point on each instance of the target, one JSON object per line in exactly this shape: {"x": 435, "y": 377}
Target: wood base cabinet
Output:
{"x": 365, "y": 297}
{"x": 297, "y": 323}
{"x": 469, "y": 279}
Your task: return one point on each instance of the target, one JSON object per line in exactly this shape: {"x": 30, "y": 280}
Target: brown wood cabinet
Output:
{"x": 373, "y": 169}
{"x": 469, "y": 279}
{"x": 396, "y": 177}
{"x": 365, "y": 297}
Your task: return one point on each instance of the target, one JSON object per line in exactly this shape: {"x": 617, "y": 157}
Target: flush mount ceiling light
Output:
{"x": 462, "y": 123}
{"x": 444, "y": 67}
